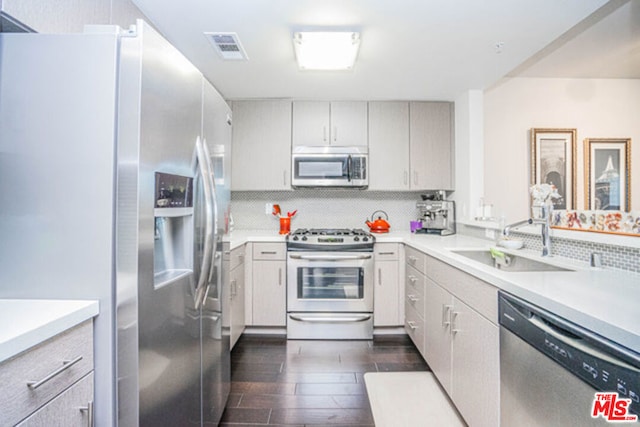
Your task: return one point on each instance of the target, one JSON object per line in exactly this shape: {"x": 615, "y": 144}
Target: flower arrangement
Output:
{"x": 543, "y": 193}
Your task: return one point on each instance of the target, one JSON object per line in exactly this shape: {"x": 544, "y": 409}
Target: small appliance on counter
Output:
{"x": 438, "y": 216}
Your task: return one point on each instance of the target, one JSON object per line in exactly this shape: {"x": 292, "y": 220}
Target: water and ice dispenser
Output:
{"x": 173, "y": 240}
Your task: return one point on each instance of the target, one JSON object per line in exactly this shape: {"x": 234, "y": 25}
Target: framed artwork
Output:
{"x": 607, "y": 165}
{"x": 552, "y": 162}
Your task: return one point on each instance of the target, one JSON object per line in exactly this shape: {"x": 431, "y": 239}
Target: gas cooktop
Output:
{"x": 330, "y": 239}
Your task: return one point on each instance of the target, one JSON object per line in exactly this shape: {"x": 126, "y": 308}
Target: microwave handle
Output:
{"x": 349, "y": 165}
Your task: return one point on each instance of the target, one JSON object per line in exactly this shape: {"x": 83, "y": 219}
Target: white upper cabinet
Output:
{"x": 389, "y": 146}
{"x": 431, "y": 145}
{"x": 340, "y": 123}
{"x": 261, "y": 159}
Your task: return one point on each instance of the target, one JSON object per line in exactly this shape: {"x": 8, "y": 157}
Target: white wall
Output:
{"x": 596, "y": 108}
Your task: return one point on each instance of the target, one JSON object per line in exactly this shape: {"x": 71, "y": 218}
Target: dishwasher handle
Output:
{"x": 576, "y": 342}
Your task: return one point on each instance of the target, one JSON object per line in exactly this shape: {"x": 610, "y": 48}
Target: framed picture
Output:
{"x": 607, "y": 165}
{"x": 552, "y": 162}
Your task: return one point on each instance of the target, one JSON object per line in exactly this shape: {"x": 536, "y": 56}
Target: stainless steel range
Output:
{"x": 330, "y": 284}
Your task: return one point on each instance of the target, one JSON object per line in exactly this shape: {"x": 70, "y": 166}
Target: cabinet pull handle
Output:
{"x": 380, "y": 276}
{"x": 406, "y": 178}
{"x": 268, "y": 252}
{"x": 233, "y": 288}
{"x": 280, "y": 277}
{"x": 454, "y": 326}
{"x": 66, "y": 364}
{"x": 413, "y": 298}
{"x": 386, "y": 253}
{"x": 412, "y": 325}
{"x": 413, "y": 279}
{"x": 412, "y": 259}
{"x": 324, "y": 133}
{"x": 89, "y": 410}
{"x": 335, "y": 133}
{"x": 446, "y": 315}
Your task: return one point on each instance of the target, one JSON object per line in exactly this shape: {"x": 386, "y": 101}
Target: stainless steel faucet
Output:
{"x": 545, "y": 222}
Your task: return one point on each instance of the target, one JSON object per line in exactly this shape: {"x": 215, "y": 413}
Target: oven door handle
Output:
{"x": 330, "y": 257}
{"x": 333, "y": 319}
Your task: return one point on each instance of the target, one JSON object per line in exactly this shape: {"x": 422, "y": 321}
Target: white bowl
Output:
{"x": 511, "y": 243}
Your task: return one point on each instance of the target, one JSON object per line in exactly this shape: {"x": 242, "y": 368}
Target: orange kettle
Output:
{"x": 379, "y": 225}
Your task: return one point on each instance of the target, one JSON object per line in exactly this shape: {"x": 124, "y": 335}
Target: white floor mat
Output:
{"x": 409, "y": 399}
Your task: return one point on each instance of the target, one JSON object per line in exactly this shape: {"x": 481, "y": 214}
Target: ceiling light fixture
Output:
{"x": 326, "y": 50}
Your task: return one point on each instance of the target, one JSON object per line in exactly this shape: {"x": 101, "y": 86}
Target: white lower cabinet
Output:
{"x": 269, "y": 284}
{"x": 388, "y": 291}
{"x": 74, "y": 407}
{"x": 237, "y": 294}
{"x": 460, "y": 339}
{"x": 475, "y": 369}
{"x": 51, "y": 383}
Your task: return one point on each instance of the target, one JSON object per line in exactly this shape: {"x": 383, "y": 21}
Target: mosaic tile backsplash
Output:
{"x": 322, "y": 208}
{"x": 614, "y": 256}
{"x": 350, "y": 208}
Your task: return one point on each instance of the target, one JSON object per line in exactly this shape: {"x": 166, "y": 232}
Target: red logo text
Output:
{"x": 612, "y": 408}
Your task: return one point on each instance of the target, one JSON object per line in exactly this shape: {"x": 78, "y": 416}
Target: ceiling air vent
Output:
{"x": 228, "y": 46}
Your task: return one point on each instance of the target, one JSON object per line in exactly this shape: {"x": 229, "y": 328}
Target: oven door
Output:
{"x": 330, "y": 282}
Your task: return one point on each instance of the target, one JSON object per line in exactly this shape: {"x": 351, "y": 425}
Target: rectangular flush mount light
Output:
{"x": 326, "y": 50}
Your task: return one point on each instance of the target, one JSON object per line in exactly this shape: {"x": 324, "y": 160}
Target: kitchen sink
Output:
{"x": 512, "y": 263}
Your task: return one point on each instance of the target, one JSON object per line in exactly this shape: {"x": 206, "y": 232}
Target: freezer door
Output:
{"x": 159, "y": 327}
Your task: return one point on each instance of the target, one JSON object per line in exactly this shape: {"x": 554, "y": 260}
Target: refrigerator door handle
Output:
{"x": 214, "y": 240}
{"x": 205, "y": 266}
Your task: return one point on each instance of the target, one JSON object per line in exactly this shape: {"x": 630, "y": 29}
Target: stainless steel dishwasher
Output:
{"x": 551, "y": 369}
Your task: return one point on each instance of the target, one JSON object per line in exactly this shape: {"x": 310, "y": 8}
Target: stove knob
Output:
{"x": 365, "y": 239}
{"x": 304, "y": 238}
{"x": 356, "y": 239}
{"x": 295, "y": 237}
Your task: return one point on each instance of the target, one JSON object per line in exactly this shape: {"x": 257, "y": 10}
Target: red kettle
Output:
{"x": 379, "y": 225}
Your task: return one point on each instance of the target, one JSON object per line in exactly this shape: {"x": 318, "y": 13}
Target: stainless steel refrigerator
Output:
{"x": 114, "y": 185}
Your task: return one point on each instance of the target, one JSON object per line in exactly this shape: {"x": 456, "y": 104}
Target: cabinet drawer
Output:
{"x": 386, "y": 251}
{"x": 416, "y": 259}
{"x": 70, "y": 409}
{"x": 267, "y": 251}
{"x": 17, "y": 399}
{"x": 415, "y": 282}
{"x": 479, "y": 295}
{"x": 414, "y": 325}
{"x": 237, "y": 257}
{"x": 416, "y": 302}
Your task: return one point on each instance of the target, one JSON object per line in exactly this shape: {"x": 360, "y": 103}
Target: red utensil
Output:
{"x": 291, "y": 214}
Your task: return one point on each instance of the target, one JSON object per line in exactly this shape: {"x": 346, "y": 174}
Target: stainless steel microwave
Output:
{"x": 342, "y": 167}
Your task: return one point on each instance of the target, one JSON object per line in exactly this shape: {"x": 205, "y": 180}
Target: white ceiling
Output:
{"x": 410, "y": 49}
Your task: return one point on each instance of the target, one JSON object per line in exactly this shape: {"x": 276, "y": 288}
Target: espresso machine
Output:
{"x": 436, "y": 214}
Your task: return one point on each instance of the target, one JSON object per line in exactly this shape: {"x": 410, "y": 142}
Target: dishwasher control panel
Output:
{"x": 601, "y": 363}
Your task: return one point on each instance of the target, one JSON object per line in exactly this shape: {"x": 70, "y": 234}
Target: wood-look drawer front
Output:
{"x": 44, "y": 367}
{"x": 414, "y": 325}
{"x": 386, "y": 251}
{"x": 479, "y": 295}
{"x": 415, "y": 281}
{"x": 416, "y": 259}
{"x": 273, "y": 251}
{"x": 71, "y": 409}
{"x": 416, "y": 301}
{"x": 237, "y": 257}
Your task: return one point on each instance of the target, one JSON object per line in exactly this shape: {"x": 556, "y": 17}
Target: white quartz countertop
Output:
{"x": 26, "y": 323}
{"x": 240, "y": 237}
{"x": 605, "y": 301}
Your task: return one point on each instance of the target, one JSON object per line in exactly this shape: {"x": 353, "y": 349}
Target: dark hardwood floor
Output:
{"x": 304, "y": 383}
